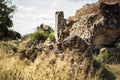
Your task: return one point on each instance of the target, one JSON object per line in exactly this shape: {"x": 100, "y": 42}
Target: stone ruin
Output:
{"x": 60, "y": 24}
{"x": 97, "y": 24}
{"x": 100, "y": 28}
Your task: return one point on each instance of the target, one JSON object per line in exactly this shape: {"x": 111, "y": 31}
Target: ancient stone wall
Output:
{"x": 100, "y": 28}
{"x": 60, "y": 23}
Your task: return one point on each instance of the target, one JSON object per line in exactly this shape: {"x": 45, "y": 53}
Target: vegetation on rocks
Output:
{"x": 49, "y": 65}
{"x": 42, "y": 33}
{"x": 39, "y": 35}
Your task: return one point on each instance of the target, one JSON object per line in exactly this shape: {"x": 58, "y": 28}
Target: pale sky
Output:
{"x": 31, "y": 13}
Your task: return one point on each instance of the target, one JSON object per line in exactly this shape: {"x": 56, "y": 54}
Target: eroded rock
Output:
{"x": 100, "y": 28}
{"x": 73, "y": 42}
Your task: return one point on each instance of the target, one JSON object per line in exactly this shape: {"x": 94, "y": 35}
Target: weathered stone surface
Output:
{"x": 73, "y": 42}
{"x": 60, "y": 24}
{"x": 110, "y": 1}
{"x": 99, "y": 26}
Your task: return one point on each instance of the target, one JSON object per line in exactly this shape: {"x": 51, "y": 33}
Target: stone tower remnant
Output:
{"x": 60, "y": 24}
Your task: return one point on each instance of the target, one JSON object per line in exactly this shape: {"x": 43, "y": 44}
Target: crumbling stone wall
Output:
{"x": 100, "y": 28}
{"x": 60, "y": 24}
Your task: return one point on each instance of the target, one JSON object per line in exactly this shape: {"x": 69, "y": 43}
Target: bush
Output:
{"x": 11, "y": 35}
{"x": 39, "y": 35}
{"x": 118, "y": 45}
{"x": 52, "y": 36}
{"x": 102, "y": 57}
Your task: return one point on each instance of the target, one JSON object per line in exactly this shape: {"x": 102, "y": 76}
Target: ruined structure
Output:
{"x": 98, "y": 24}
{"x": 60, "y": 24}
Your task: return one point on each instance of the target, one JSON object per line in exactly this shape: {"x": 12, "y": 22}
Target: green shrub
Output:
{"x": 102, "y": 57}
{"x": 118, "y": 45}
{"x": 11, "y": 35}
{"x": 52, "y": 36}
{"x": 39, "y": 35}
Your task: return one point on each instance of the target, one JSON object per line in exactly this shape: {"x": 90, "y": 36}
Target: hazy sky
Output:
{"x": 31, "y": 13}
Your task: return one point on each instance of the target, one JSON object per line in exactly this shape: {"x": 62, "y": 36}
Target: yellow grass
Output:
{"x": 47, "y": 66}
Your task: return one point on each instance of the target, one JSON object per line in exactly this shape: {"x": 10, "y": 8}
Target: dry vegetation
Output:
{"x": 47, "y": 65}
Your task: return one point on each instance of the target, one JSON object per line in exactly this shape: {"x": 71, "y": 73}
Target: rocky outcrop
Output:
{"x": 73, "y": 42}
{"x": 45, "y": 28}
{"x": 97, "y": 23}
{"x": 110, "y": 1}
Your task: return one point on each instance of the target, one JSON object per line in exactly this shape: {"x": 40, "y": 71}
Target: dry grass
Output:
{"x": 22, "y": 44}
{"x": 115, "y": 69}
{"x": 47, "y": 66}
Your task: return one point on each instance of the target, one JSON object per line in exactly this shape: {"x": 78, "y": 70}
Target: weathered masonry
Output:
{"x": 60, "y": 24}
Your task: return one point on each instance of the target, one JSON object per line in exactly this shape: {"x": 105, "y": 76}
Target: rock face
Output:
{"x": 99, "y": 26}
{"x": 73, "y": 42}
{"x": 110, "y": 1}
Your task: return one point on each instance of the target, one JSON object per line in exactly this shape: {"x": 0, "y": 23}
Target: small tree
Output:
{"x": 6, "y": 13}
{"x": 39, "y": 35}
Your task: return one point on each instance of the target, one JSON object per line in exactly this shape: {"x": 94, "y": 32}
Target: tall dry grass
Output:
{"x": 47, "y": 66}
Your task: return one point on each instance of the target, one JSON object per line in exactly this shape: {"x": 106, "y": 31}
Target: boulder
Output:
{"x": 73, "y": 42}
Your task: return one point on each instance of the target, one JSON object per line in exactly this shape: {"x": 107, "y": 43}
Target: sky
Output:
{"x": 31, "y": 13}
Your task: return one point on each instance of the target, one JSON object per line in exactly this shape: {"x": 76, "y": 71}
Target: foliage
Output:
{"x": 52, "y": 36}
{"x": 102, "y": 57}
{"x": 6, "y": 13}
{"x": 118, "y": 45}
{"x": 41, "y": 27}
{"x": 11, "y": 35}
{"x": 39, "y": 35}
{"x": 109, "y": 56}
